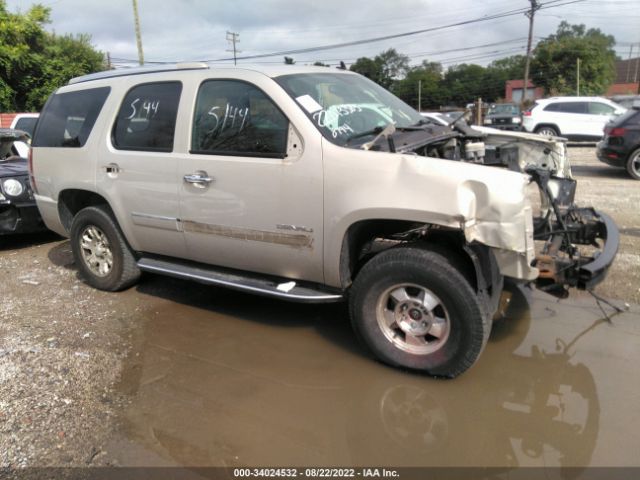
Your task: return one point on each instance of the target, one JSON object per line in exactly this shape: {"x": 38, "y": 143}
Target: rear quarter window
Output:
{"x": 68, "y": 118}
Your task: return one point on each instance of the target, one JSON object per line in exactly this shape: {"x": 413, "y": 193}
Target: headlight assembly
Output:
{"x": 12, "y": 187}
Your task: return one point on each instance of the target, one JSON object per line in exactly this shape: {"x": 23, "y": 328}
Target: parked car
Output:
{"x": 313, "y": 186}
{"x": 18, "y": 210}
{"x": 621, "y": 144}
{"x": 626, "y": 101}
{"x": 25, "y": 122}
{"x": 437, "y": 118}
{"x": 576, "y": 118}
{"x": 503, "y": 116}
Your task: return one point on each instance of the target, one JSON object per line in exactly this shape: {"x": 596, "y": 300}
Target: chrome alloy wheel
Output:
{"x": 413, "y": 319}
{"x": 96, "y": 251}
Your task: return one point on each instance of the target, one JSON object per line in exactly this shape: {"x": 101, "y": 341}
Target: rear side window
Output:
{"x": 572, "y": 107}
{"x": 68, "y": 118}
{"x": 630, "y": 117}
{"x": 147, "y": 117}
{"x": 237, "y": 118}
{"x": 26, "y": 124}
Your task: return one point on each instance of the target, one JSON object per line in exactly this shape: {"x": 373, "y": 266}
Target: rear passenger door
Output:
{"x": 573, "y": 118}
{"x": 251, "y": 196}
{"x": 137, "y": 171}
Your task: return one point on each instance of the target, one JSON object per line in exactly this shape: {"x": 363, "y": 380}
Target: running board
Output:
{"x": 284, "y": 289}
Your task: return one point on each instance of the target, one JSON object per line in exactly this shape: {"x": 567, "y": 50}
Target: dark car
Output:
{"x": 621, "y": 144}
{"x": 504, "y": 116}
{"x": 18, "y": 211}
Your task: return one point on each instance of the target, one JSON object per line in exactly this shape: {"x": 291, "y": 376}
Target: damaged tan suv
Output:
{"x": 312, "y": 185}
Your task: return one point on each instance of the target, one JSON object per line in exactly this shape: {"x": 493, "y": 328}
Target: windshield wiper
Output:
{"x": 386, "y": 132}
{"x": 373, "y": 131}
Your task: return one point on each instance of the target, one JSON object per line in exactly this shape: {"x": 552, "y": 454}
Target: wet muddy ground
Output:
{"x": 172, "y": 373}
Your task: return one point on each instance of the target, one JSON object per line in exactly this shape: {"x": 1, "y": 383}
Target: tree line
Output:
{"x": 554, "y": 67}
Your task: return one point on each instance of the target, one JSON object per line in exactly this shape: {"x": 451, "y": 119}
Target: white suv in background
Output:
{"x": 27, "y": 123}
{"x": 577, "y": 118}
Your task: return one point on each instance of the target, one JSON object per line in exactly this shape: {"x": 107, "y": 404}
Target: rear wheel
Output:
{"x": 100, "y": 251}
{"x": 548, "y": 131}
{"x": 633, "y": 164}
{"x": 414, "y": 309}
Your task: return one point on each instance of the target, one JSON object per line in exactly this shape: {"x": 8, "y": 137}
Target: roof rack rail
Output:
{"x": 139, "y": 71}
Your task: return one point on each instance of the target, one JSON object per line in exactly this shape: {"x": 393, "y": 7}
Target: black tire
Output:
{"x": 547, "y": 130}
{"x": 114, "y": 268}
{"x": 633, "y": 164}
{"x": 382, "y": 322}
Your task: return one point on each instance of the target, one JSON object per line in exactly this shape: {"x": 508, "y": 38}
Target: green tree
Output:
{"x": 428, "y": 78}
{"x": 554, "y": 65}
{"x": 496, "y": 75}
{"x": 34, "y": 62}
{"x": 465, "y": 83}
{"x": 385, "y": 69}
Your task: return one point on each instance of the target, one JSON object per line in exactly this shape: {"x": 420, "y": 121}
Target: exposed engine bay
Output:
{"x": 574, "y": 246}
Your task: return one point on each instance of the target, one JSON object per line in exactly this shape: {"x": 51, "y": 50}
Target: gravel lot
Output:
{"x": 612, "y": 191}
{"x": 63, "y": 344}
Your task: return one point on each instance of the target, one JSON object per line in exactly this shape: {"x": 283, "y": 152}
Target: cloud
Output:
{"x": 175, "y": 30}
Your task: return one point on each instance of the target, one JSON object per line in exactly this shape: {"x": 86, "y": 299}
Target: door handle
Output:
{"x": 199, "y": 179}
{"x": 112, "y": 169}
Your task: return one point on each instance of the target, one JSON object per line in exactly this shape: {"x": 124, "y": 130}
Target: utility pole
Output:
{"x": 530, "y": 14}
{"x": 233, "y": 38}
{"x": 578, "y": 77}
{"x": 419, "y": 95}
{"x": 136, "y": 20}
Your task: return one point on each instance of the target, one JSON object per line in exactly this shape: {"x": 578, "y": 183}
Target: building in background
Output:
{"x": 513, "y": 91}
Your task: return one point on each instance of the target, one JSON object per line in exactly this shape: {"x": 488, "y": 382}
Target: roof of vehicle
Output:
{"x": 573, "y": 99}
{"x": 270, "y": 70}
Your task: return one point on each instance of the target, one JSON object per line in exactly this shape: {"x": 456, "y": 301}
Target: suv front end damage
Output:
{"x": 578, "y": 244}
{"x": 574, "y": 246}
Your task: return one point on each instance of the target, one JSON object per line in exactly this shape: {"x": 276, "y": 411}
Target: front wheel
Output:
{"x": 100, "y": 251}
{"x": 633, "y": 164}
{"x": 415, "y": 310}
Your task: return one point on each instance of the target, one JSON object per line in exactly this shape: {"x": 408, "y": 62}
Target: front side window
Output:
{"x": 597, "y": 108}
{"x": 236, "y": 118}
{"x": 147, "y": 117}
{"x": 345, "y": 107}
{"x": 68, "y": 118}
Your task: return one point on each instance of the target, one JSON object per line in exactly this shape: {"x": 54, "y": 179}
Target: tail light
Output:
{"x": 32, "y": 178}
{"x": 526, "y": 113}
{"x": 615, "y": 132}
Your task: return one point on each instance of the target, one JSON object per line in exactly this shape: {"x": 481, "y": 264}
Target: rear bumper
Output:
{"x": 611, "y": 155}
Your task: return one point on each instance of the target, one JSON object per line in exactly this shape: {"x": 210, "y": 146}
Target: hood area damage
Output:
{"x": 574, "y": 245}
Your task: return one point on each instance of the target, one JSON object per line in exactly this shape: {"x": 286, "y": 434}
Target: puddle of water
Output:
{"x": 225, "y": 379}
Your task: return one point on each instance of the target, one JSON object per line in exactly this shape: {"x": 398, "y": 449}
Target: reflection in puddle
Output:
{"x": 225, "y": 379}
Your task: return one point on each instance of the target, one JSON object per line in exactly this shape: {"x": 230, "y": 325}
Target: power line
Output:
{"x": 548, "y": 4}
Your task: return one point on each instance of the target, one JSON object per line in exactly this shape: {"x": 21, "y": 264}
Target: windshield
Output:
{"x": 344, "y": 107}
{"x": 504, "y": 110}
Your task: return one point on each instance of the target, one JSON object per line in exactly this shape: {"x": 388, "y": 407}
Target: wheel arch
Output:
{"x": 71, "y": 201}
{"x": 547, "y": 124}
{"x": 475, "y": 261}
